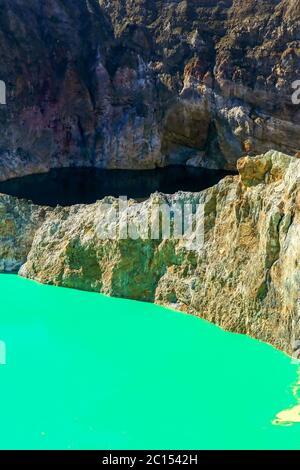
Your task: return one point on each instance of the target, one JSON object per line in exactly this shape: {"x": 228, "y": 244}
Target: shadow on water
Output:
{"x": 68, "y": 186}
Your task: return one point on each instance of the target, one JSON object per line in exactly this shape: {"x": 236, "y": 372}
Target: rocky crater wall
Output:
{"x": 244, "y": 277}
{"x": 140, "y": 84}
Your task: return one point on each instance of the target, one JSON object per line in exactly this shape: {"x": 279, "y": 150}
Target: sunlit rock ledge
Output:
{"x": 244, "y": 278}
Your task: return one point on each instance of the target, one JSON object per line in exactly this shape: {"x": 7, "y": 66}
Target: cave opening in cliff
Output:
{"x": 70, "y": 186}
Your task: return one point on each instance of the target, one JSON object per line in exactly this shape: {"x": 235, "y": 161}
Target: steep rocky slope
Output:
{"x": 63, "y": 106}
{"x": 19, "y": 221}
{"x": 245, "y": 276}
{"x": 144, "y": 83}
{"x": 229, "y": 66}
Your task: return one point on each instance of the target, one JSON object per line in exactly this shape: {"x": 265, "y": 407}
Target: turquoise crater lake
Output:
{"x": 85, "y": 371}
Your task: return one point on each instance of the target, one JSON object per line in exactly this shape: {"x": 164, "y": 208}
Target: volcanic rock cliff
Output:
{"x": 244, "y": 275}
{"x": 140, "y": 84}
{"x": 146, "y": 83}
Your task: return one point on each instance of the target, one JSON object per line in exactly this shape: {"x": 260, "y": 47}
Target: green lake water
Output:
{"x": 85, "y": 371}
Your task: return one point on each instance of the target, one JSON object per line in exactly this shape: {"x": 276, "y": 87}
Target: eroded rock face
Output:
{"x": 244, "y": 277}
{"x": 67, "y": 104}
{"x": 19, "y": 220}
{"x": 140, "y": 83}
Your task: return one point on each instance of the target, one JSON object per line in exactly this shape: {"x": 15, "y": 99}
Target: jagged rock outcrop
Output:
{"x": 19, "y": 220}
{"x": 244, "y": 276}
{"x": 140, "y": 83}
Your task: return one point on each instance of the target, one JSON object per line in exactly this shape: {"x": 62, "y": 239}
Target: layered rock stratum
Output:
{"x": 244, "y": 276}
{"x": 146, "y": 83}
